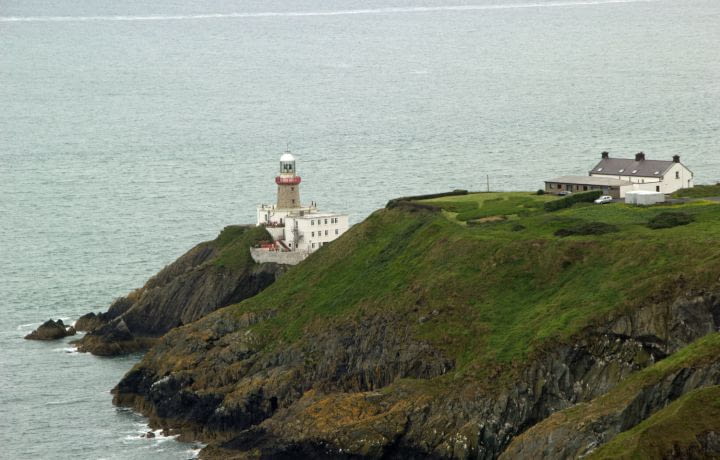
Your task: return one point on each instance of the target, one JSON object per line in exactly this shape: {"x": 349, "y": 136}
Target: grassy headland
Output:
{"x": 492, "y": 293}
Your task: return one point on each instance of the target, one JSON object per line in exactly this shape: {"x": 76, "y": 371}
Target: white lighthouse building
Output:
{"x": 297, "y": 230}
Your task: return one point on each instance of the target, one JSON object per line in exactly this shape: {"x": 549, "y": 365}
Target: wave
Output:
{"x": 388, "y": 10}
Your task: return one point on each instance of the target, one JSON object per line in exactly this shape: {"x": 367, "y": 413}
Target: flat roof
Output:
{"x": 590, "y": 180}
{"x": 317, "y": 215}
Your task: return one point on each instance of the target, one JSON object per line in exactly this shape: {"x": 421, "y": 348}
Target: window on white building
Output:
{"x": 326, "y": 232}
{"x": 337, "y": 231}
{"x": 313, "y": 245}
{"x": 325, "y": 221}
{"x": 312, "y": 234}
{"x": 677, "y": 174}
{"x": 312, "y": 222}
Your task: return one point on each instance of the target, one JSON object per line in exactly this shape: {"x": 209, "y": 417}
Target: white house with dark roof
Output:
{"x": 652, "y": 175}
{"x": 617, "y": 176}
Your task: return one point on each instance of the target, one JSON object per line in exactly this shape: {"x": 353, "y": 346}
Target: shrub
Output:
{"x": 670, "y": 219}
{"x": 587, "y": 228}
{"x": 517, "y": 227}
{"x": 569, "y": 200}
{"x": 540, "y": 192}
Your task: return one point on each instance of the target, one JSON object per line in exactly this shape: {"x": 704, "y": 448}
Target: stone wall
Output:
{"x": 284, "y": 258}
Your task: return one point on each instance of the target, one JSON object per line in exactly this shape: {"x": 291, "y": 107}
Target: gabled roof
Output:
{"x": 589, "y": 180}
{"x": 628, "y": 167}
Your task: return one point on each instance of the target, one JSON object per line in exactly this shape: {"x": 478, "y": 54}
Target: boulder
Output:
{"x": 51, "y": 330}
{"x": 89, "y": 322}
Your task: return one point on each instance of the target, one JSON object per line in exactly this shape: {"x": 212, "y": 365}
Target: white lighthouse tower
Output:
{"x": 296, "y": 230}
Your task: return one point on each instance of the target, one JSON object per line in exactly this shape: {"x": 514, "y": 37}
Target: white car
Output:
{"x": 604, "y": 199}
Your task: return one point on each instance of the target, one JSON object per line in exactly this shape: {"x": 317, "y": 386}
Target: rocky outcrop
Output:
{"x": 325, "y": 399}
{"x": 91, "y": 321}
{"x": 51, "y": 330}
{"x": 577, "y": 432}
{"x": 210, "y": 276}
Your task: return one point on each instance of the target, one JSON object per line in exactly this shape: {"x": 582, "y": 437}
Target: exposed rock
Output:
{"x": 196, "y": 284}
{"x": 51, "y": 330}
{"x": 320, "y": 399}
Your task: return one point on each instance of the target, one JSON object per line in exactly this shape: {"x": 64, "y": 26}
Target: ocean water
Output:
{"x": 132, "y": 130}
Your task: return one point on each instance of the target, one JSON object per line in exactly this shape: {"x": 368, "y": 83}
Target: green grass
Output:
{"x": 234, "y": 242}
{"x": 481, "y": 205}
{"x": 699, "y": 191}
{"x": 671, "y": 431}
{"x": 501, "y": 294}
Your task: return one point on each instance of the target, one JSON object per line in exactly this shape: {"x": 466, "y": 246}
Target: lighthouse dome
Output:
{"x": 287, "y": 157}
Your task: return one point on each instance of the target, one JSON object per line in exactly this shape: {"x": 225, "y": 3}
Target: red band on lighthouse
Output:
{"x": 294, "y": 180}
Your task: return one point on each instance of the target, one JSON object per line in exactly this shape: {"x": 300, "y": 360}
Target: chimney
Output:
{"x": 640, "y": 156}
{"x": 676, "y": 158}
{"x": 605, "y": 155}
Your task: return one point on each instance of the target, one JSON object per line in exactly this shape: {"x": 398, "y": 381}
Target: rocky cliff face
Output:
{"x": 209, "y": 276}
{"x": 409, "y": 371}
{"x": 333, "y": 398}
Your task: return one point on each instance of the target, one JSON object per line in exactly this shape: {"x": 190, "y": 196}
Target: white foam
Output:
{"x": 68, "y": 350}
{"x": 388, "y": 10}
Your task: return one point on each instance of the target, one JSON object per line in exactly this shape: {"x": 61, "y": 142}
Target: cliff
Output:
{"x": 209, "y": 276}
{"x": 430, "y": 331}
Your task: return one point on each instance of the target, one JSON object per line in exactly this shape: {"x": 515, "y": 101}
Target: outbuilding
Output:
{"x": 615, "y": 188}
{"x": 644, "y": 197}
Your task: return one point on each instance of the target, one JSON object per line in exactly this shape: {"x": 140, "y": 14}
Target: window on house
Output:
{"x": 325, "y": 221}
{"x": 326, "y": 232}
{"x": 657, "y": 188}
{"x": 313, "y": 245}
{"x": 337, "y": 231}
{"x": 677, "y": 174}
{"x": 312, "y": 222}
{"x": 584, "y": 187}
{"x": 312, "y": 234}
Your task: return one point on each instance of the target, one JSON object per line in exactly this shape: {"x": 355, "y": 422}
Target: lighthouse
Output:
{"x": 288, "y": 182}
{"x": 296, "y": 230}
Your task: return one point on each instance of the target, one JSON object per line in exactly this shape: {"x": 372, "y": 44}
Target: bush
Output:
{"x": 540, "y": 192}
{"x": 569, "y": 200}
{"x": 670, "y": 219}
{"x": 587, "y": 228}
{"x": 517, "y": 227}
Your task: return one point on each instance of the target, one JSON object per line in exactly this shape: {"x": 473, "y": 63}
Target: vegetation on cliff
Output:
{"x": 442, "y": 338}
{"x": 211, "y": 275}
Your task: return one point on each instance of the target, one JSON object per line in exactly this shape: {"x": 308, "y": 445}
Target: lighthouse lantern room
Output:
{"x": 288, "y": 182}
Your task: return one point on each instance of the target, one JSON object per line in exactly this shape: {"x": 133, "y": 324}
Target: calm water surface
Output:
{"x": 131, "y": 130}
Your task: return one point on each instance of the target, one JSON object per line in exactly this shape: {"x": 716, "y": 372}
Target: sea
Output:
{"x": 132, "y": 130}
